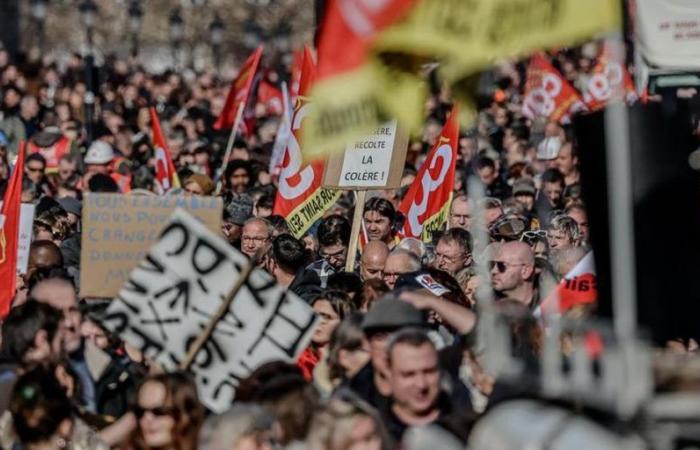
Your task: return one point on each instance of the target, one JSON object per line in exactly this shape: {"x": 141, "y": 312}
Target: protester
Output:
{"x": 168, "y": 412}
{"x": 373, "y": 259}
{"x": 399, "y": 261}
{"x": 256, "y": 235}
{"x": 453, "y": 251}
{"x": 461, "y": 212}
{"x": 379, "y": 218}
{"x": 286, "y": 261}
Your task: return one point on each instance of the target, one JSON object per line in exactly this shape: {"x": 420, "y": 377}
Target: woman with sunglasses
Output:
{"x": 168, "y": 413}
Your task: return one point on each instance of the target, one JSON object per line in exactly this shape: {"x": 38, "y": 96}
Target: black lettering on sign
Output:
{"x": 147, "y": 344}
{"x": 160, "y": 321}
{"x": 277, "y": 313}
{"x": 180, "y": 293}
{"x": 204, "y": 253}
{"x": 118, "y": 322}
{"x": 177, "y": 227}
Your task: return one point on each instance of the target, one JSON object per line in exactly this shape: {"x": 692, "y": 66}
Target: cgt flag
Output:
{"x": 9, "y": 234}
{"x": 300, "y": 198}
{"x": 548, "y": 94}
{"x": 166, "y": 176}
{"x": 239, "y": 91}
{"x": 610, "y": 78}
{"x": 578, "y": 287}
{"x": 428, "y": 200}
{"x": 344, "y": 95}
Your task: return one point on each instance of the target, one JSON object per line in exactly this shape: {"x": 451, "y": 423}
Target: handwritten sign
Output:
{"x": 118, "y": 230}
{"x": 374, "y": 162}
{"x": 26, "y": 220}
{"x": 171, "y": 295}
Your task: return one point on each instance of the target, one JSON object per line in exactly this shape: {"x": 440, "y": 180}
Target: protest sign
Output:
{"x": 119, "y": 229}
{"x": 26, "y": 220}
{"x": 373, "y": 162}
{"x": 174, "y": 292}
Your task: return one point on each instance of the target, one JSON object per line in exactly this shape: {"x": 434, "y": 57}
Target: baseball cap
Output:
{"x": 391, "y": 313}
{"x": 99, "y": 153}
{"x": 71, "y": 205}
{"x": 524, "y": 186}
{"x": 239, "y": 209}
{"x": 549, "y": 148}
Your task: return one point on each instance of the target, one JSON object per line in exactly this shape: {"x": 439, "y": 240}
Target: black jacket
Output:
{"x": 306, "y": 284}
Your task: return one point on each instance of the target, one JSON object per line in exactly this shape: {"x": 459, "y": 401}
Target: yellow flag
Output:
{"x": 466, "y": 36}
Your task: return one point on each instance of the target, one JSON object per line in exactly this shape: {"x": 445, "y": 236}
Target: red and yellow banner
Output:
{"x": 427, "y": 202}
{"x": 300, "y": 198}
{"x": 610, "y": 79}
{"x": 548, "y": 94}
{"x": 166, "y": 176}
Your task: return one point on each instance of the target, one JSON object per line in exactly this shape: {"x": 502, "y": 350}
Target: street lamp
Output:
{"x": 177, "y": 33}
{"x": 135, "y": 21}
{"x": 88, "y": 14}
{"x": 216, "y": 35}
{"x": 39, "y": 16}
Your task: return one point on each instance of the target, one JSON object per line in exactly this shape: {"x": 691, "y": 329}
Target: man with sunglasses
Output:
{"x": 512, "y": 272}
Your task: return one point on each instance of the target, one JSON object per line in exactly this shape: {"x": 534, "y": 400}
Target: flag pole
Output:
{"x": 229, "y": 145}
{"x": 216, "y": 318}
{"x": 355, "y": 233}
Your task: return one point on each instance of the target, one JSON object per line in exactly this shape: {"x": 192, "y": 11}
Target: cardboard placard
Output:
{"x": 119, "y": 229}
{"x": 174, "y": 292}
{"x": 374, "y": 162}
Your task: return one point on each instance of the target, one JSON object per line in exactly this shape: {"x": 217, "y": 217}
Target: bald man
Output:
{"x": 43, "y": 255}
{"x": 512, "y": 271}
{"x": 398, "y": 262}
{"x": 373, "y": 259}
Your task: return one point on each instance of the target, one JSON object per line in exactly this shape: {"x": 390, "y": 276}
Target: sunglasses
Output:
{"x": 501, "y": 266}
{"x": 532, "y": 236}
{"x": 158, "y": 411}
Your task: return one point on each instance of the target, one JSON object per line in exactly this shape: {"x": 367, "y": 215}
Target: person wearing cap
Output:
{"x": 98, "y": 158}
{"x": 388, "y": 314}
{"x": 74, "y": 209}
{"x": 524, "y": 192}
{"x": 237, "y": 210}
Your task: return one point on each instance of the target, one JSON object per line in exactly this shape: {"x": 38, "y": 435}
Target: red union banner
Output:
{"x": 239, "y": 91}
{"x": 609, "y": 78}
{"x": 300, "y": 198}
{"x": 578, "y": 287}
{"x": 9, "y": 234}
{"x": 166, "y": 176}
{"x": 548, "y": 94}
{"x": 428, "y": 200}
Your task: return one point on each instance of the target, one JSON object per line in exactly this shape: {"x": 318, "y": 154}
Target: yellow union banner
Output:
{"x": 304, "y": 215}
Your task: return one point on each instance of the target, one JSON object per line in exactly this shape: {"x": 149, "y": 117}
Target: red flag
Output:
{"x": 166, "y": 176}
{"x": 609, "y": 77}
{"x": 9, "y": 234}
{"x": 428, "y": 199}
{"x": 300, "y": 198}
{"x": 349, "y": 28}
{"x": 270, "y": 96}
{"x": 548, "y": 94}
{"x": 239, "y": 91}
{"x": 578, "y": 287}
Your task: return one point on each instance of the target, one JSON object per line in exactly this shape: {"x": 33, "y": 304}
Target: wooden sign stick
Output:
{"x": 356, "y": 229}
{"x": 229, "y": 145}
{"x": 220, "y": 313}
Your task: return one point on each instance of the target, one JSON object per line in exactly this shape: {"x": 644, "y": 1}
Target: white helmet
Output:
{"x": 99, "y": 153}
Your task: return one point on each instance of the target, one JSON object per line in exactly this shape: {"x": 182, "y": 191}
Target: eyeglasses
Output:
{"x": 451, "y": 259}
{"x": 35, "y": 169}
{"x": 255, "y": 239}
{"x": 502, "y": 266}
{"x": 158, "y": 411}
{"x": 532, "y": 236}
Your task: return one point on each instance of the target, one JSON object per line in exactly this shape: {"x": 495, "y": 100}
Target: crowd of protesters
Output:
{"x": 390, "y": 362}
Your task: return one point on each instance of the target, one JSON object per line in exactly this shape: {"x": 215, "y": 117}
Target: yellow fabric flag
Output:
{"x": 466, "y": 36}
